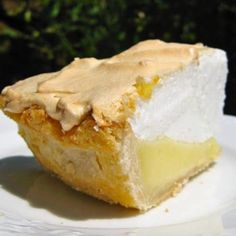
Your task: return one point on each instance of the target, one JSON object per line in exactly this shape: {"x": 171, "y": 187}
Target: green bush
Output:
{"x": 44, "y": 35}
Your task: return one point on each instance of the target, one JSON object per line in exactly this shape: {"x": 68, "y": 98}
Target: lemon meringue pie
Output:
{"x": 131, "y": 129}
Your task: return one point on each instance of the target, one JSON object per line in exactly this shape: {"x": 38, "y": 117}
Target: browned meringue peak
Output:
{"x": 100, "y": 87}
{"x": 161, "y": 52}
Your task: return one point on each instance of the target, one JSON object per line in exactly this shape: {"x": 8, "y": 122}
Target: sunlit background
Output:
{"x": 44, "y": 35}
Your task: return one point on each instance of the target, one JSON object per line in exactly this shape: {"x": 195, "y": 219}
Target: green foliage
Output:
{"x": 44, "y": 35}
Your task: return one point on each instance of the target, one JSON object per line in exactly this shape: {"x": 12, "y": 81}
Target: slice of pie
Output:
{"x": 131, "y": 129}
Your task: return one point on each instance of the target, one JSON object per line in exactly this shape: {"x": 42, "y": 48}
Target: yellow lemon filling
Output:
{"x": 144, "y": 88}
{"x": 164, "y": 160}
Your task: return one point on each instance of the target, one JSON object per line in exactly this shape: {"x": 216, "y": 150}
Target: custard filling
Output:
{"x": 164, "y": 161}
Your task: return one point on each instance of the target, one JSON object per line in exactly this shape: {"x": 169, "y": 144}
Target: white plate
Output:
{"x": 33, "y": 202}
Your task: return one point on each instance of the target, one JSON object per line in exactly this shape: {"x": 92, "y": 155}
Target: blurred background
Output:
{"x": 44, "y": 35}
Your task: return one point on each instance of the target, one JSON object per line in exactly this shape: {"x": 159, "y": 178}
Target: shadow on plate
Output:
{"x": 23, "y": 177}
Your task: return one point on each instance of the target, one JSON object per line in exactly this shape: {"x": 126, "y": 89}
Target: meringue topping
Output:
{"x": 99, "y": 87}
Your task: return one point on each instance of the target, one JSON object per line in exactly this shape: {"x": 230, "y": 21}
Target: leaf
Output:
{"x": 28, "y": 16}
{"x": 9, "y": 31}
{"x": 56, "y": 9}
{"x": 13, "y": 7}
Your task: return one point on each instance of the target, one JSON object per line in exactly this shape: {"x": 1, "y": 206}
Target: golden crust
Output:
{"x": 2, "y": 102}
{"x": 102, "y": 88}
{"x": 99, "y": 174}
{"x": 82, "y": 136}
